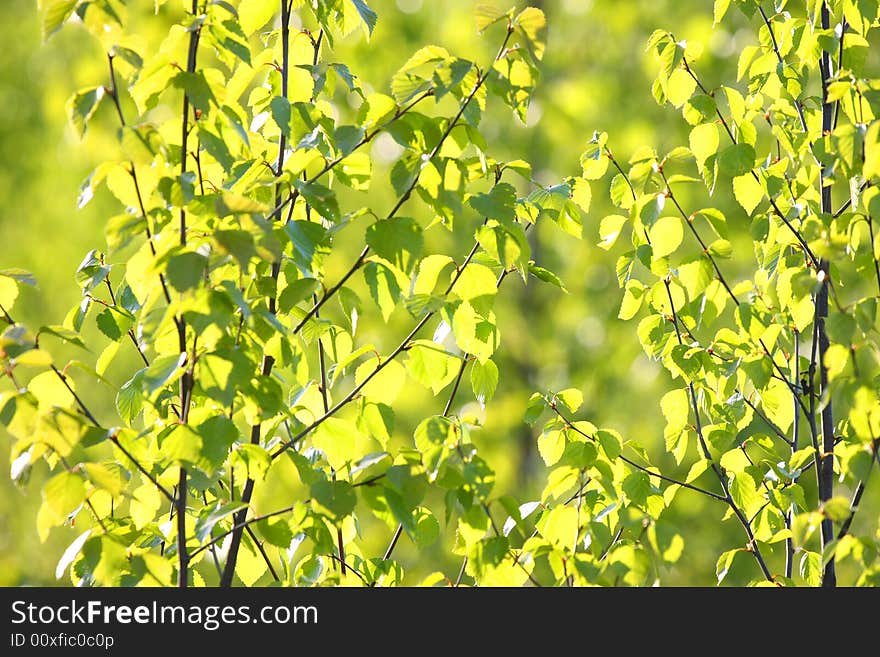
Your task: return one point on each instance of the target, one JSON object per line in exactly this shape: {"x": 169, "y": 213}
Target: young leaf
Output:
{"x": 484, "y": 380}
{"x": 82, "y": 107}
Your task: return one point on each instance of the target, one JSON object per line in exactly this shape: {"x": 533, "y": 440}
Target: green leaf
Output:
{"x": 571, "y": 398}
{"x": 321, "y": 199}
{"x": 680, "y": 87}
{"x": 633, "y": 296}
{"x": 335, "y": 499}
{"x": 609, "y": 230}
{"x": 871, "y": 166}
{"x": 347, "y": 138}
{"x": 19, "y": 275}
{"x": 296, "y": 292}
{"x": 197, "y": 88}
{"x": 57, "y": 12}
{"x": 430, "y": 365}
{"x": 637, "y": 487}
{"x": 435, "y": 431}
{"x": 531, "y": 24}
{"x": 476, "y": 281}
{"x": 675, "y": 406}
{"x": 498, "y": 203}
{"x": 594, "y": 161}
{"x": 384, "y": 387}
{"x": 719, "y": 9}
{"x": 337, "y": 439}
{"x": 506, "y": 243}
{"x": 734, "y": 461}
{"x": 375, "y": 110}
{"x": 209, "y": 516}
{"x": 748, "y": 192}
{"x": 145, "y": 503}
{"x": 737, "y": 159}
{"x": 82, "y": 106}
{"x": 71, "y": 553}
{"x": 368, "y": 16}
{"x": 112, "y": 323}
{"x": 547, "y": 276}
{"x": 182, "y": 446}
{"x": 725, "y": 561}
{"x": 666, "y": 236}
{"x": 560, "y": 526}
{"x": 130, "y": 399}
{"x": 8, "y": 293}
{"x": 704, "y": 141}
{"x": 384, "y": 287}
{"x": 475, "y": 333}
{"x": 551, "y": 445}
{"x": 398, "y": 240}
{"x": 160, "y": 372}
{"x": 406, "y": 83}
{"x": 721, "y": 249}
{"x": 309, "y": 241}
{"x": 744, "y": 492}
{"x": 276, "y": 531}
{"x": 486, "y": 14}
{"x": 427, "y": 528}
{"x": 63, "y": 334}
{"x": 484, "y": 380}
{"x": 64, "y": 492}
{"x": 837, "y": 508}
{"x": 254, "y": 14}
{"x": 250, "y": 461}
{"x": 237, "y": 243}
{"x": 185, "y": 270}
{"x": 811, "y": 567}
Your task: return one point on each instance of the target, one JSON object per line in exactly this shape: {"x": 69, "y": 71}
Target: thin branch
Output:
{"x": 186, "y": 379}
{"x": 720, "y": 276}
{"x": 169, "y": 496}
{"x": 88, "y": 501}
{"x": 360, "y": 260}
{"x": 130, "y": 331}
{"x": 767, "y": 420}
{"x": 611, "y": 544}
{"x": 753, "y": 544}
{"x": 795, "y": 232}
{"x": 632, "y": 190}
{"x": 113, "y": 438}
{"x": 848, "y": 202}
{"x": 262, "y": 550}
{"x": 672, "y": 480}
{"x": 390, "y": 549}
{"x": 857, "y": 495}
{"x": 239, "y": 527}
{"x": 346, "y": 566}
{"x": 114, "y": 94}
{"x": 267, "y": 361}
{"x": 404, "y": 344}
{"x": 795, "y": 430}
{"x": 76, "y": 397}
{"x": 461, "y": 572}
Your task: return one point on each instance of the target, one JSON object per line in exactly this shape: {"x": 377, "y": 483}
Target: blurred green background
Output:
{"x": 596, "y": 76}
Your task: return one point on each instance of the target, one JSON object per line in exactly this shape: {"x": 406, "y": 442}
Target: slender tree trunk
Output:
{"x": 826, "y": 463}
